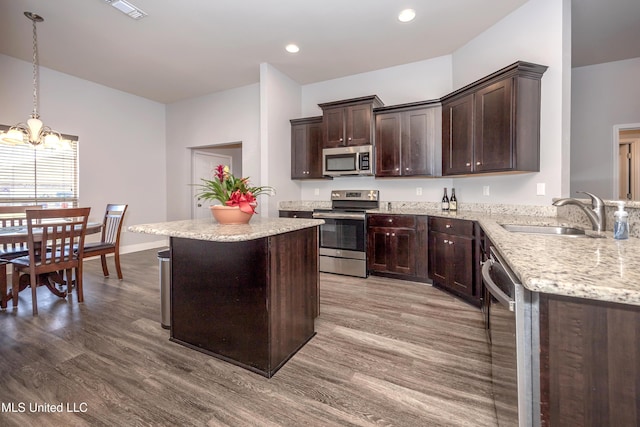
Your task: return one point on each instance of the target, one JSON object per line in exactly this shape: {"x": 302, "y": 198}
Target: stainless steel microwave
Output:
{"x": 344, "y": 161}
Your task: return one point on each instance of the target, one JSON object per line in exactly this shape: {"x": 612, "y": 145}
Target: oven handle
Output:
{"x": 493, "y": 288}
{"x": 341, "y": 215}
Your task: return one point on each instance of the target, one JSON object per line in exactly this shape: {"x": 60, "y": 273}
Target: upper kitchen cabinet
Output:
{"x": 493, "y": 124}
{"x": 408, "y": 139}
{"x": 349, "y": 122}
{"x": 306, "y": 148}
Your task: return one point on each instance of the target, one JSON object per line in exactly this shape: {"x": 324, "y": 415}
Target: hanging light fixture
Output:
{"x": 34, "y": 131}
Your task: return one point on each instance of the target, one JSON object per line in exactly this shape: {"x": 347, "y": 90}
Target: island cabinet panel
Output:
{"x": 589, "y": 362}
{"x": 493, "y": 125}
{"x": 251, "y": 303}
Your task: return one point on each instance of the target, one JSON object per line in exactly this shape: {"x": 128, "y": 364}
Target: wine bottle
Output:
{"x": 445, "y": 200}
{"x": 453, "y": 202}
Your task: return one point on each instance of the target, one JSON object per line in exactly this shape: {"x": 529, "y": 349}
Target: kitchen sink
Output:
{"x": 552, "y": 230}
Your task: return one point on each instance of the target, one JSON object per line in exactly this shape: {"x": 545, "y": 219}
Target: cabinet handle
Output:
{"x": 393, "y": 234}
{"x": 390, "y": 220}
{"x": 397, "y": 169}
{"x": 387, "y": 234}
{"x": 448, "y": 226}
{"x": 478, "y": 163}
{"x": 341, "y": 139}
{"x": 468, "y": 164}
{"x": 349, "y": 138}
{"x": 446, "y": 241}
{"x": 450, "y": 242}
{"x": 406, "y": 169}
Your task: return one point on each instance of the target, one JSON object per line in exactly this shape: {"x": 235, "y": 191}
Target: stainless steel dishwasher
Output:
{"x": 510, "y": 336}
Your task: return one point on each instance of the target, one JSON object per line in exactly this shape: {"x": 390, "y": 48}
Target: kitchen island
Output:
{"x": 246, "y": 294}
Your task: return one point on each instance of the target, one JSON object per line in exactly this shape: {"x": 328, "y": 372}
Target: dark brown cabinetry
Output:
{"x": 349, "y": 122}
{"x": 306, "y": 148}
{"x": 408, "y": 140}
{"x": 396, "y": 246}
{"x": 295, "y": 214}
{"x": 589, "y": 362}
{"x": 453, "y": 257}
{"x": 493, "y": 125}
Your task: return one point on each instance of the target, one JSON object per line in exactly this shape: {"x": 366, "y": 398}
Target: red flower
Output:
{"x": 246, "y": 201}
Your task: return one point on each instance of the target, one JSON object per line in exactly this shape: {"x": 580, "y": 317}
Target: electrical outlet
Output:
{"x": 540, "y": 189}
{"x": 485, "y": 190}
{"x": 316, "y": 191}
{"x": 418, "y": 191}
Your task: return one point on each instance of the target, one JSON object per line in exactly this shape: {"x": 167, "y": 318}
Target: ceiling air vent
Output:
{"x": 127, "y": 8}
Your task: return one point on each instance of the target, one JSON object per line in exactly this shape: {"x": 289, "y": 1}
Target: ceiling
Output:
{"x": 189, "y": 48}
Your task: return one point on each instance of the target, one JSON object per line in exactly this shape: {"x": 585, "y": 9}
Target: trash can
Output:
{"x": 164, "y": 257}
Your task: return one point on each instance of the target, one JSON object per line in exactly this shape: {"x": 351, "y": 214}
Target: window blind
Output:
{"x": 42, "y": 175}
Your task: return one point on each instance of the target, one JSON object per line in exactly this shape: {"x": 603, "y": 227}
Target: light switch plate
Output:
{"x": 316, "y": 191}
{"x": 418, "y": 191}
{"x": 485, "y": 190}
{"x": 541, "y": 189}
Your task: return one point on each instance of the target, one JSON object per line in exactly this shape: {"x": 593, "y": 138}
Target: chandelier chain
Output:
{"x": 35, "y": 70}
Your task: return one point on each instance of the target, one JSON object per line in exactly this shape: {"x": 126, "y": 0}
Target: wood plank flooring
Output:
{"x": 386, "y": 353}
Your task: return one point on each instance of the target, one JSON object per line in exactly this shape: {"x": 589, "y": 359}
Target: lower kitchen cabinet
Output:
{"x": 396, "y": 246}
{"x": 454, "y": 256}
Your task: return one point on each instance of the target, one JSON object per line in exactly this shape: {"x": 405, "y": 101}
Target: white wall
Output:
{"x": 603, "y": 95}
{"x": 536, "y": 32}
{"x": 279, "y": 102}
{"x": 417, "y": 81}
{"x": 223, "y": 117}
{"x": 121, "y": 140}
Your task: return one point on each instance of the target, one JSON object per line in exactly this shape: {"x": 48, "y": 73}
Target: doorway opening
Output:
{"x": 627, "y": 163}
{"x": 204, "y": 160}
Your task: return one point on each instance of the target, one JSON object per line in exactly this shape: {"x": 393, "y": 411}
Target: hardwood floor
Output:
{"x": 386, "y": 353}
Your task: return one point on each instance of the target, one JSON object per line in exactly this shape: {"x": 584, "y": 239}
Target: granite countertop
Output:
{"x": 599, "y": 268}
{"x": 209, "y": 229}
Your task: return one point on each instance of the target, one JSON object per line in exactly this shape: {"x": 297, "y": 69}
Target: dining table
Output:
{"x": 19, "y": 234}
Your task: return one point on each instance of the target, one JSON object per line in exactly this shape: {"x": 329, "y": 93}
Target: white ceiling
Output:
{"x": 189, "y": 48}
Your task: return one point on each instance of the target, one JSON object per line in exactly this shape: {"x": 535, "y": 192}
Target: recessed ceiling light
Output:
{"x": 292, "y": 48}
{"x": 407, "y": 15}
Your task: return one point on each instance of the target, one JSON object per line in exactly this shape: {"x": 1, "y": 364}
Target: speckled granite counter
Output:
{"x": 595, "y": 268}
{"x": 208, "y": 229}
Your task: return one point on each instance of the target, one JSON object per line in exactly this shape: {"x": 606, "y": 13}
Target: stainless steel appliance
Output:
{"x": 343, "y": 236}
{"x": 514, "y": 366}
{"x": 341, "y": 161}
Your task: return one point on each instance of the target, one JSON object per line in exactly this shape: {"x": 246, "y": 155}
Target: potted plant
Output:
{"x": 237, "y": 196}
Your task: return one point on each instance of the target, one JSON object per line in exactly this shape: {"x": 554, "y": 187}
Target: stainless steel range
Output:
{"x": 343, "y": 236}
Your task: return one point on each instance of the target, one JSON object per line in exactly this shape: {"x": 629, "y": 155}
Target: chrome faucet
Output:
{"x": 595, "y": 213}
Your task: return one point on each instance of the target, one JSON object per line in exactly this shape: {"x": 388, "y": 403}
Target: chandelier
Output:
{"x": 33, "y": 131}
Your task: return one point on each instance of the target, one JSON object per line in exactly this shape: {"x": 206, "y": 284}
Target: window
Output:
{"x": 42, "y": 175}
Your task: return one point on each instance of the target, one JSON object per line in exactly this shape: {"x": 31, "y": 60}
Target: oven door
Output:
{"x": 342, "y": 243}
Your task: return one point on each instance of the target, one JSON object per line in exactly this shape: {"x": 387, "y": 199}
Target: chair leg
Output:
{"x": 79, "y": 290}
{"x": 34, "y": 289}
{"x": 15, "y": 285}
{"x": 68, "y": 274}
{"x": 3, "y": 286}
{"x": 105, "y": 270}
{"x": 116, "y": 256}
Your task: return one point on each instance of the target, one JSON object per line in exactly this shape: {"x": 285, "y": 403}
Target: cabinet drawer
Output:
{"x": 460, "y": 227}
{"x": 405, "y": 221}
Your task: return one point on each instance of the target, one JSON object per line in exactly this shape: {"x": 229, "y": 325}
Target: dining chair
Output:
{"x": 51, "y": 237}
{"x": 110, "y": 239}
{"x": 11, "y": 216}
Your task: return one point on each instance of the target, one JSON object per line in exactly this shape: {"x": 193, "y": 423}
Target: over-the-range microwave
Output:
{"x": 344, "y": 161}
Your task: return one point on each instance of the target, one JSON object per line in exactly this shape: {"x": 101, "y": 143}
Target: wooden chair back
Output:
{"x": 14, "y": 216}
{"x": 112, "y": 224}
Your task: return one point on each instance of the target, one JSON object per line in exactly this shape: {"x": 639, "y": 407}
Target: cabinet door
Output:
{"x": 314, "y": 150}
{"x": 438, "y": 246}
{"x": 415, "y": 133}
{"x": 403, "y": 249}
{"x": 298, "y": 151}
{"x": 388, "y": 144}
{"x": 359, "y": 124}
{"x": 493, "y": 143}
{"x": 378, "y": 250}
{"x": 457, "y": 136}
{"x": 333, "y": 120}
{"x": 460, "y": 254}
